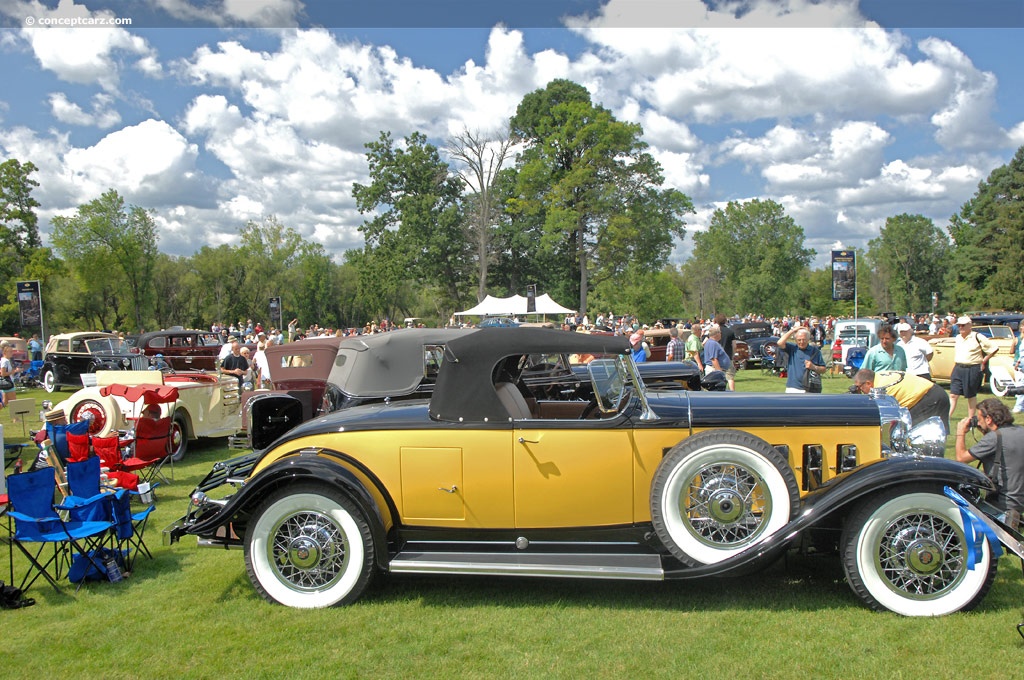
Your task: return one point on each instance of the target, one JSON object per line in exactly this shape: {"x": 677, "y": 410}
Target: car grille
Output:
{"x": 140, "y": 363}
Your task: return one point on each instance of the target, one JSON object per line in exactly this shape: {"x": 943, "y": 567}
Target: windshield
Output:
{"x": 609, "y": 383}
{"x": 996, "y": 331}
{"x": 856, "y": 335}
{"x": 103, "y": 346}
{"x": 754, "y": 332}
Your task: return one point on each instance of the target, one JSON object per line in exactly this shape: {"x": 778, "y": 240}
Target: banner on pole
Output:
{"x": 30, "y": 303}
{"x": 844, "y": 274}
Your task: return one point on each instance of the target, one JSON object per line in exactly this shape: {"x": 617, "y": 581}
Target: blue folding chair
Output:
{"x": 57, "y": 434}
{"x": 37, "y": 523}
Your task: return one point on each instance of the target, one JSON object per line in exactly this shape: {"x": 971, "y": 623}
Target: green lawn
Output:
{"x": 192, "y": 613}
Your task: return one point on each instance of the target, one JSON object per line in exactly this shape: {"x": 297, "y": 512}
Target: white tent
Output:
{"x": 514, "y": 306}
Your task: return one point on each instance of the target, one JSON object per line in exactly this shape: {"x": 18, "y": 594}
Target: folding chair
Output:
{"x": 58, "y": 436}
{"x": 130, "y": 528}
{"x": 150, "y": 448}
{"x": 36, "y": 521}
{"x": 108, "y": 450}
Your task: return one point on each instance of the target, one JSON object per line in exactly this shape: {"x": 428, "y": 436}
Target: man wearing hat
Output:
{"x": 971, "y": 355}
{"x": 918, "y": 351}
{"x": 225, "y": 351}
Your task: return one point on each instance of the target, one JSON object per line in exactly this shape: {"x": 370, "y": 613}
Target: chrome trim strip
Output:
{"x": 632, "y": 567}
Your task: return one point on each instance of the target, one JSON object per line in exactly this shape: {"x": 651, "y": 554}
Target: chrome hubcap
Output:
{"x": 921, "y": 555}
{"x": 308, "y": 551}
{"x": 725, "y": 505}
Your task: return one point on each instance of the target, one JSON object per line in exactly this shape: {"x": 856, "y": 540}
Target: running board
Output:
{"x": 569, "y": 565}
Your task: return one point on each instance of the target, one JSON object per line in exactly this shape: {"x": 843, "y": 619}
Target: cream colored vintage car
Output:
{"x": 207, "y": 405}
{"x": 1001, "y": 372}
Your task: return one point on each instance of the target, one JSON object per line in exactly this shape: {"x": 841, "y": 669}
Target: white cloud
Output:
{"x": 103, "y": 114}
{"x": 267, "y": 13}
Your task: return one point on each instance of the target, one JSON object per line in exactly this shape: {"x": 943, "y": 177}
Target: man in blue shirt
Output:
{"x": 715, "y": 356}
{"x": 802, "y": 357}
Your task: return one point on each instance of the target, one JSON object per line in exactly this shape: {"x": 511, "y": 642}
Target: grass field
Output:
{"x": 192, "y": 613}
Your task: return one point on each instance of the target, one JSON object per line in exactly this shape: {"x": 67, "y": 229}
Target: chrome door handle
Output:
{"x": 523, "y": 440}
{"x": 451, "y": 490}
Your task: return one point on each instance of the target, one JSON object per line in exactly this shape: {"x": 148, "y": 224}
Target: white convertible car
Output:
{"x": 207, "y": 405}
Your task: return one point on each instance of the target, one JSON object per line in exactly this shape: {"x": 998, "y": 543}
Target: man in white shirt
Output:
{"x": 918, "y": 351}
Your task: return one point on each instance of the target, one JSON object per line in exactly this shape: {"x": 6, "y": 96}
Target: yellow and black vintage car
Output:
{"x": 592, "y": 476}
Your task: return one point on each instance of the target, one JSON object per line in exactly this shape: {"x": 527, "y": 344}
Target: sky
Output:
{"x": 212, "y": 113}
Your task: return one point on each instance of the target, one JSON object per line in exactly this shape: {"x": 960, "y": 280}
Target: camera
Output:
{"x": 973, "y": 423}
{"x": 1014, "y": 390}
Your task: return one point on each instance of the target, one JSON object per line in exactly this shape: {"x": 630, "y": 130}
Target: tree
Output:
{"x": 481, "y": 160}
{"x": 986, "y": 268}
{"x": 909, "y": 257}
{"x": 588, "y": 182}
{"x": 18, "y": 221}
{"x": 105, "y": 238}
{"x": 759, "y": 256}
{"x": 419, "y": 213}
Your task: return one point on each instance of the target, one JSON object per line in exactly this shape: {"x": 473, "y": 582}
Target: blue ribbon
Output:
{"x": 975, "y": 529}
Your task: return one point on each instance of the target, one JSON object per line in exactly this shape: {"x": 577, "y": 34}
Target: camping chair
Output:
{"x": 149, "y": 448}
{"x": 108, "y": 450}
{"x": 58, "y": 436}
{"x": 36, "y": 521}
{"x": 130, "y": 528}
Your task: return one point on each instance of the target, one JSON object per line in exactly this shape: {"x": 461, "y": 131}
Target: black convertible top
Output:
{"x": 465, "y": 388}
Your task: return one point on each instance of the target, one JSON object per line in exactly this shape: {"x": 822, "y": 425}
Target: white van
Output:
{"x": 856, "y": 333}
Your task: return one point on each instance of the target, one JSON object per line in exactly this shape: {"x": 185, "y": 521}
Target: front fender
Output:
{"x": 839, "y": 493}
{"x": 301, "y": 466}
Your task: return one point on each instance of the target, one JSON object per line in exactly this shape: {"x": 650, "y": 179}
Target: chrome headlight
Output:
{"x": 895, "y": 421}
{"x": 928, "y": 438}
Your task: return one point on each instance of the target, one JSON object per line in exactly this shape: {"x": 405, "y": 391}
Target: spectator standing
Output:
{"x": 971, "y": 355}
{"x": 886, "y": 355}
{"x": 715, "y": 356}
{"x": 920, "y": 396}
{"x": 35, "y": 348}
{"x": 695, "y": 348}
{"x": 1001, "y": 452}
{"x": 8, "y": 372}
{"x": 235, "y": 364}
{"x": 293, "y": 327}
{"x": 918, "y": 352}
{"x": 801, "y": 356}
{"x": 226, "y": 349}
{"x": 728, "y": 336}
{"x": 639, "y": 348}
{"x": 263, "y": 364}
{"x": 675, "y": 350}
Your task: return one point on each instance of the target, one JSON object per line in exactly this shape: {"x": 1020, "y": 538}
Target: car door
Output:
{"x": 572, "y": 473}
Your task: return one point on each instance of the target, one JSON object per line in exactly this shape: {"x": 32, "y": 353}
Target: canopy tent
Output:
{"x": 514, "y": 306}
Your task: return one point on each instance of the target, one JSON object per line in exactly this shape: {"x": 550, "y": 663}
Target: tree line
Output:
{"x": 567, "y": 197}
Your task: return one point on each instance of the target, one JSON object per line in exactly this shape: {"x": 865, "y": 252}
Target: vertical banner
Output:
{"x": 844, "y": 274}
{"x": 30, "y": 303}
{"x": 531, "y": 298}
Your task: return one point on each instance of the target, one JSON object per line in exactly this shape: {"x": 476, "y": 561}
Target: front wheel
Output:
{"x": 998, "y": 386}
{"x": 719, "y": 492}
{"x": 309, "y": 547}
{"x": 904, "y": 550}
{"x": 50, "y": 381}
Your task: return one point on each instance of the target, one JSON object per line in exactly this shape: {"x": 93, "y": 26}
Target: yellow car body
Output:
{"x": 513, "y": 468}
{"x": 942, "y": 361}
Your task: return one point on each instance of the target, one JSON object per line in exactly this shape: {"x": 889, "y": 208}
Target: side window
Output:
{"x": 158, "y": 342}
{"x": 64, "y": 346}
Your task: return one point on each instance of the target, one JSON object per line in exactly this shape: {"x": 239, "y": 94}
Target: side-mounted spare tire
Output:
{"x": 719, "y": 492}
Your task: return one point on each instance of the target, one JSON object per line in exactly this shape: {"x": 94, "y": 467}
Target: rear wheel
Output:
{"x": 179, "y": 437}
{"x": 309, "y": 547}
{"x": 904, "y": 550}
{"x": 720, "y": 492}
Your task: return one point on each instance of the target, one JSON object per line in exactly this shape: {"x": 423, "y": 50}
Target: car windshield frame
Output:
{"x": 102, "y": 346}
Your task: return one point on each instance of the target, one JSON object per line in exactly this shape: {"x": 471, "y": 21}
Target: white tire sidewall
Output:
{"x": 867, "y": 551}
{"x": 355, "y": 551}
{"x": 718, "y": 454}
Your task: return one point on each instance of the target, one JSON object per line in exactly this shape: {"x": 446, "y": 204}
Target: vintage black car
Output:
{"x": 69, "y": 355}
{"x": 502, "y": 473}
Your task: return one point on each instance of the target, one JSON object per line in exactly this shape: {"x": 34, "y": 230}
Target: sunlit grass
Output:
{"x": 192, "y": 613}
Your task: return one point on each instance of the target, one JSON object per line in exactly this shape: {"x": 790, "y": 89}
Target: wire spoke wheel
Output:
{"x": 726, "y": 504}
{"x": 905, "y": 550}
{"x": 309, "y": 547}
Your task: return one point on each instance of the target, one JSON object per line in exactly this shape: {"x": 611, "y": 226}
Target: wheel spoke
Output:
{"x": 308, "y": 551}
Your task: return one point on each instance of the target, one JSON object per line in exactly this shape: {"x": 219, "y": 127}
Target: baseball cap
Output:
{"x": 232, "y": 338}
{"x": 900, "y": 327}
{"x": 963, "y": 320}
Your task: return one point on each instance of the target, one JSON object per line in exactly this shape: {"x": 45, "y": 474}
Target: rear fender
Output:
{"x": 304, "y": 466}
